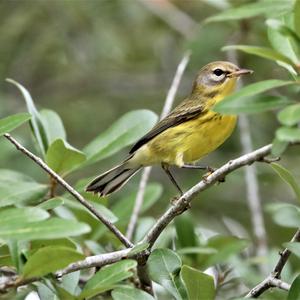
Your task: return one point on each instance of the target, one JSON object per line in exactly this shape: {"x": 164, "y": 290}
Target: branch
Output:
{"x": 89, "y": 262}
{"x": 273, "y": 280}
{"x": 164, "y": 220}
{"x": 71, "y": 190}
{"x": 15, "y": 281}
{"x": 267, "y": 283}
{"x": 146, "y": 173}
{"x": 94, "y": 261}
{"x": 183, "y": 202}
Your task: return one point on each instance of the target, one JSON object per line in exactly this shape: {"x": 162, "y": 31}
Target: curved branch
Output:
{"x": 183, "y": 202}
{"x": 94, "y": 261}
{"x": 273, "y": 280}
{"x": 71, "y": 190}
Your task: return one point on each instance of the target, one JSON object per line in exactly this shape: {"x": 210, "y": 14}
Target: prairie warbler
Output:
{"x": 189, "y": 132}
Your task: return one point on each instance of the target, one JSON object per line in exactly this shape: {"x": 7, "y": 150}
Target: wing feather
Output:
{"x": 182, "y": 113}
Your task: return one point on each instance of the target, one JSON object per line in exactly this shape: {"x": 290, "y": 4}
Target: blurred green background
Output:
{"x": 92, "y": 61}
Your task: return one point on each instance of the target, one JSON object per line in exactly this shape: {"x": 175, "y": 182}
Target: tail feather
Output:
{"x": 112, "y": 180}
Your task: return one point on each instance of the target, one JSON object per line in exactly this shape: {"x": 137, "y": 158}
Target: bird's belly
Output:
{"x": 187, "y": 142}
{"x": 208, "y": 137}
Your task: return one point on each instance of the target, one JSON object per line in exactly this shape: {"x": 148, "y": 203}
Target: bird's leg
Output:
{"x": 166, "y": 169}
{"x": 207, "y": 168}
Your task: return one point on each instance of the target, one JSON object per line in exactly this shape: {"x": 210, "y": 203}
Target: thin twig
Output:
{"x": 175, "y": 84}
{"x": 183, "y": 202}
{"x": 146, "y": 173}
{"x": 267, "y": 283}
{"x": 273, "y": 280}
{"x": 14, "y": 282}
{"x": 94, "y": 261}
{"x": 71, "y": 190}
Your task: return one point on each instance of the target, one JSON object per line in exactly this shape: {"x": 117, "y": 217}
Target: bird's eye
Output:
{"x": 218, "y": 72}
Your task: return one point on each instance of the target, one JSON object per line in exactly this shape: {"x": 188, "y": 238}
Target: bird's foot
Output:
{"x": 209, "y": 170}
{"x": 174, "y": 200}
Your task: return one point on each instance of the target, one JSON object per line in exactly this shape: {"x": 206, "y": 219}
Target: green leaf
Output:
{"x": 49, "y": 229}
{"x": 288, "y": 134}
{"x": 197, "y": 250}
{"x": 143, "y": 226}
{"x": 10, "y": 176}
{"x": 69, "y": 282}
{"x": 130, "y": 293}
{"x": 262, "y": 52}
{"x": 21, "y": 192}
{"x": 107, "y": 278}
{"x": 53, "y": 125}
{"x": 51, "y": 203}
{"x": 21, "y": 215}
{"x": 15, "y": 251}
{"x": 283, "y": 45}
{"x": 138, "y": 248}
{"x": 256, "y": 104}
{"x": 226, "y": 247}
{"x": 199, "y": 285}
{"x": 10, "y": 123}
{"x": 286, "y": 176}
{"x": 122, "y": 133}
{"x": 36, "y": 123}
{"x": 64, "y": 242}
{"x": 64, "y": 294}
{"x": 290, "y": 115}
{"x": 6, "y": 260}
{"x": 45, "y": 292}
{"x": 49, "y": 259}
{"x": 186, "y": 235}
{"x": 284, "y": 39}
{"x": 294, "y": 247}
{"x": 297, "y": 17}
{"x": 294, "y": 292}
{"x": 250, "y": 90}
{"x": 163, "y": 266}
{"x": 278, "y": 147}
{"x": 283, "y": 29}
{"x": 62, "y": 157}
{"x": 285, "y": 215}
{"x": 252, "y": 10}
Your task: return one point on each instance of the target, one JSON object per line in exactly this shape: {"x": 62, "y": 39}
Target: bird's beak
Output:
{"x": 239, "y": 73}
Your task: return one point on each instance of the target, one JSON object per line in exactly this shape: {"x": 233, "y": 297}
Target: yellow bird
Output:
{"x": 188, "y": 133}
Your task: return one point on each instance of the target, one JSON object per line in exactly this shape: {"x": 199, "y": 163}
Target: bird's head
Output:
{"x": 217, "y": 79}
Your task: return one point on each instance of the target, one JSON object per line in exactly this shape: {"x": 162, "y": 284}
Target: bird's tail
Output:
{"x": 112, "y": 180}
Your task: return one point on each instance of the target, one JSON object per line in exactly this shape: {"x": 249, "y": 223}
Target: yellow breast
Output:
{"x": 187, "y": 142}
{"x": 207, "y": 136}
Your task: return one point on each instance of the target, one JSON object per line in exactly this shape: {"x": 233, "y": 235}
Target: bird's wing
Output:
{"x": 187, "y": 110}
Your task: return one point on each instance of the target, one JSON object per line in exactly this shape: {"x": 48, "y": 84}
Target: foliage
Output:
{"x": 43, "y": 229}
